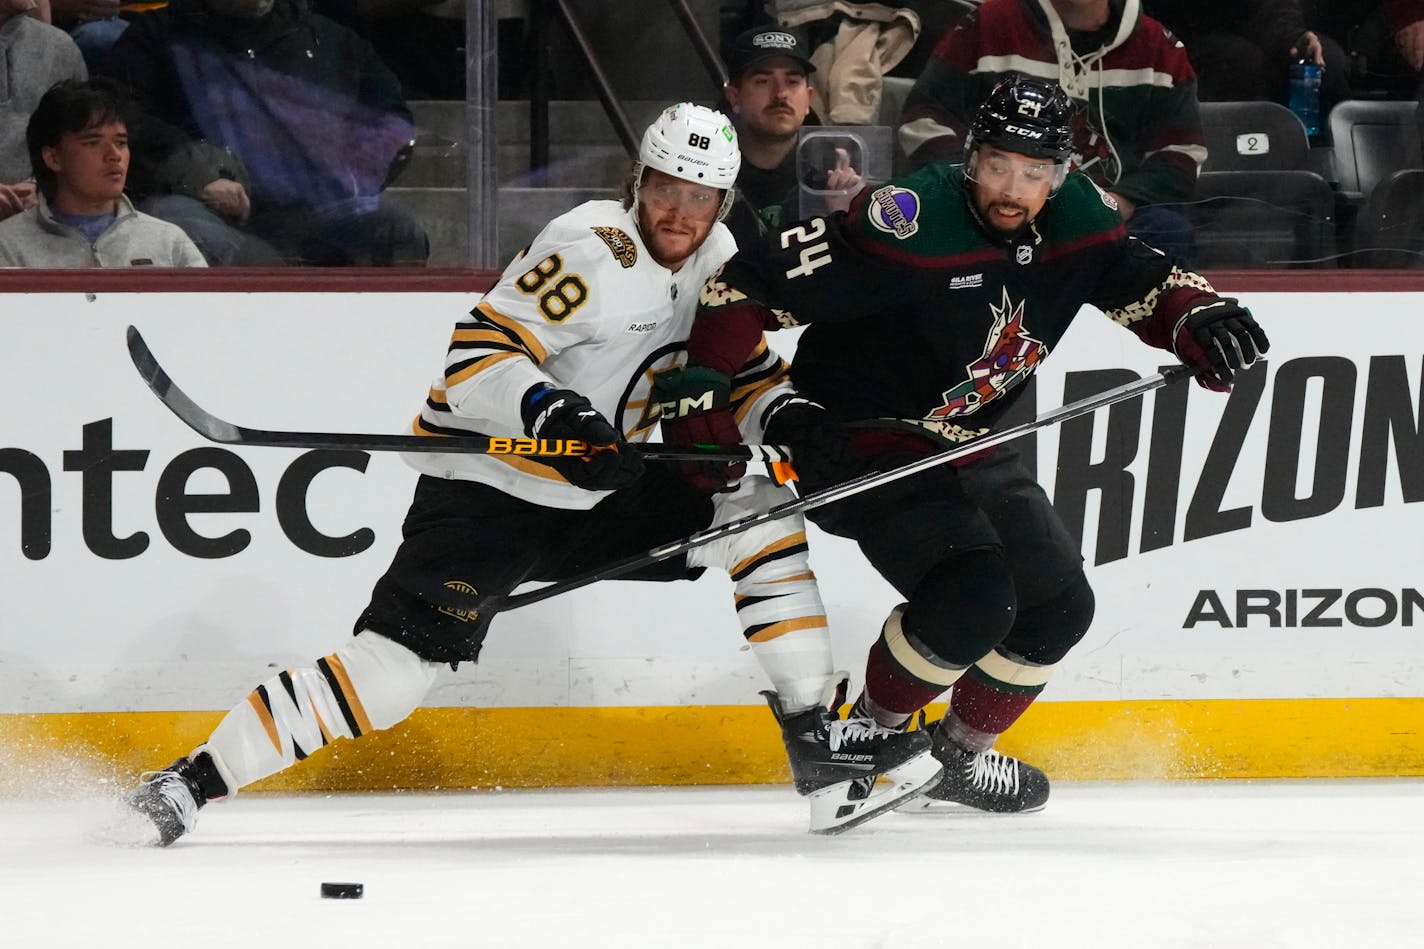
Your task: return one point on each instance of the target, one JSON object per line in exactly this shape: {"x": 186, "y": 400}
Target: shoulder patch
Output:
{"x": 717, "y": 292}
{"x": 894, "y": 211}
{"x": 1106, "y": 198}
{"x": 624, "y": 250}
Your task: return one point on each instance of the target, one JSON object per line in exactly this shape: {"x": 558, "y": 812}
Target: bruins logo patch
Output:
{"x": 624, "y": 250}
{"x": 464, "y": 589}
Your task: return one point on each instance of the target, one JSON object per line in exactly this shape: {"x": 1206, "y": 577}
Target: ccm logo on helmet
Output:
{"x": 1021, "y": 130}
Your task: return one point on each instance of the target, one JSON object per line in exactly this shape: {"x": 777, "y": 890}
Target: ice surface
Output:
{"x": 1211, "y": 864}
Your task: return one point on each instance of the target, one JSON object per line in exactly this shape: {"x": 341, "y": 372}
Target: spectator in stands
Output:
{"x": 95, "y": 25}
{"x": 770, "y": 97}
{"x": 33, "y": 57}
{"x": 1242, "y": 50}
{"x": 854, "y": 45}
{"x": 1377, "y": 71}
{"x": 1407, "y": 20}
{"x": 269, "y": 134}
{"x": 78, "y": 145}
{"x": 1137, "y": 131}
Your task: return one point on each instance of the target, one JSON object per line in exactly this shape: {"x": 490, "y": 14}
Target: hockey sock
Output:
{"x": 778, "y": 601}
{"x": 902, "y": 674}
{"x": 998, "y": 689}
{"x": 368, "y": 684}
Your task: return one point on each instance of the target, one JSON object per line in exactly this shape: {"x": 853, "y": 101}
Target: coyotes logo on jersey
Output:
{"x": 1010, "y": 355}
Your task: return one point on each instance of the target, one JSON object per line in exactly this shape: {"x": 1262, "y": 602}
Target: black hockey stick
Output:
{"x": 855, "y": 486}
{"x": 215, "y": 429}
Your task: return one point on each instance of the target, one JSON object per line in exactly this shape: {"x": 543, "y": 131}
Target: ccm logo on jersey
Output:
{"x": 536, "y": 446}
{"x": 893, "y": 210}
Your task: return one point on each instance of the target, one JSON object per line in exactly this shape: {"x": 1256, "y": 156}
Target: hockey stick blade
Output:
{"x": 215, "y": 429}
{"x": 855, "y": 486}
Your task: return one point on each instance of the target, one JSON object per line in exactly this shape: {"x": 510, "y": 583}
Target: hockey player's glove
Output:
{"x": 562, "y": 413}
{"x": 821, "y": 450}
{"x": 694, "y": 405}
{"x": 1219, "y": 339}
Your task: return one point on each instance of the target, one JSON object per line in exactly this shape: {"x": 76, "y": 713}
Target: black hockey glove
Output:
{"x": 1219, "y": 339}
{"x": 562, "y": 413}
{"x": 821, "y": 451}
{"x": 694, "y": 406}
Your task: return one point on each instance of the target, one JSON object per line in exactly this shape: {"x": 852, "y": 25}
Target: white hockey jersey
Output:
{"x": 586, "y": 308}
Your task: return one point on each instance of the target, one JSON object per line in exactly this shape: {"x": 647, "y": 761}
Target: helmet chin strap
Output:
{"x": 728, "y": 196}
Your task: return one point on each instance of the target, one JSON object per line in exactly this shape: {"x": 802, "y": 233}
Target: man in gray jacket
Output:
{"x": 79, "y": 150}
{"x": 33, "y": 57}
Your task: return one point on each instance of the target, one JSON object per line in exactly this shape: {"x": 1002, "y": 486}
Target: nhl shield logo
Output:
{"x": 1023, "y": 255}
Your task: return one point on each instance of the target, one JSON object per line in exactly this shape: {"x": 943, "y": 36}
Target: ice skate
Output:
{"x": 984, "y": 781}
{"x": 836, "y": 763}
{"x": 171, "y": 798}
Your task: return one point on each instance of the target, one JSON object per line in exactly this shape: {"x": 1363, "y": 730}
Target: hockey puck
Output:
{"x": 342, "y": 891}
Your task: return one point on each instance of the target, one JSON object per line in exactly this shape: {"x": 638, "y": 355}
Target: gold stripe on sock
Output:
{"x": 775, "y": 547}
{"x": 787, "y": 626}
{"x": 264, "y": 715}
{"x": 349, "y": 691}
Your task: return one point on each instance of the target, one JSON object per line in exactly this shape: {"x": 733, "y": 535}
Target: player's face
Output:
{"x": 675, "y": 216}
{"x": 90, "y": 166}
{"x": 772, "y": 98}
{"x": 1010, "y": 189}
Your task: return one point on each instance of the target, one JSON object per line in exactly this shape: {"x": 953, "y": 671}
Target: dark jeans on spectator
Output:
{"x": 387, "y": 236}
{"x": 1166, "y": 229}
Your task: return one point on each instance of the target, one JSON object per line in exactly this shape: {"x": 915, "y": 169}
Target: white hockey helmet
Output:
{"x": 694, "y": 143}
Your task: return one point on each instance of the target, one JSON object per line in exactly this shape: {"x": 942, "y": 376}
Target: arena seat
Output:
{"x": 1373, "y": 140}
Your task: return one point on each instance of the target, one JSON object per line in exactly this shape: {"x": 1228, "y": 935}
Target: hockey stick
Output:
{"x": 215, "y": 429}
{"x": 865, "y": 482}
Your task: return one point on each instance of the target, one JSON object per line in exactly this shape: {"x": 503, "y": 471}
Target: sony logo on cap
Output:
{"x": 774, "y": 39}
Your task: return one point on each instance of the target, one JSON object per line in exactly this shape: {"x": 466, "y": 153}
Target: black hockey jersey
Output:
{"x": 916, "y": 311}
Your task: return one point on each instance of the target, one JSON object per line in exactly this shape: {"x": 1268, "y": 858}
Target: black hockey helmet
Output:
{"x": 1025, "y": 115}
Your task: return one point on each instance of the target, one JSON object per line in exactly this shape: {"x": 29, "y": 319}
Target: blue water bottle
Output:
{"x": 1305, "y": 96}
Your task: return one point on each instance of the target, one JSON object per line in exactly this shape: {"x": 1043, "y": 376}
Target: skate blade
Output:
{"x": 922, "y": 805}
{"x": 840, "y": 807}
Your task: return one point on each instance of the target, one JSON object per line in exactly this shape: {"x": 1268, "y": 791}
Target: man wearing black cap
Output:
{"x": 770, "y": 98}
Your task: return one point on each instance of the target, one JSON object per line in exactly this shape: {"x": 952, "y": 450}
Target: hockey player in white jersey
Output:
{"x": 564, "y": 347}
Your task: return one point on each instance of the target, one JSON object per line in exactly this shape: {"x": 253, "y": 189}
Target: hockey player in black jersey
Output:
{"x": 927, "y": 307}
{"x": 552, "y": 352}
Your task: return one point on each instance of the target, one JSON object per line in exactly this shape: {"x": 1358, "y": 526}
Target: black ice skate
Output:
{"x": 170, "y": 798}
{"x": 985, "y": 781}
{"x": 836, "y": 763}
